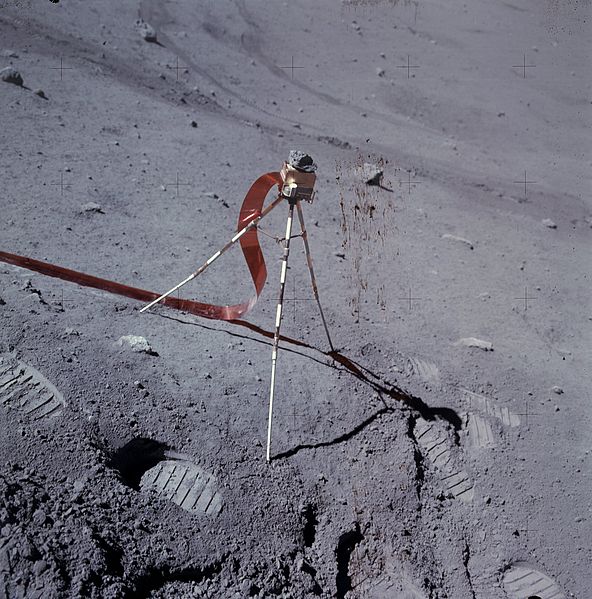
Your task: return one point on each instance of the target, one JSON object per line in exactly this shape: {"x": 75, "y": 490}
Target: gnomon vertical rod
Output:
{"x": 278, "y": 321}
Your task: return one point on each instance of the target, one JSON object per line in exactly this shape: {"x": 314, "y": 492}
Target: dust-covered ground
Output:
{"x": 443, "y": 451}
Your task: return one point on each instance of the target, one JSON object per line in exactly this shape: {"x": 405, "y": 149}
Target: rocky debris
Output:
{"x": 371, "y": 174}
{"x": 8, "y": 54}
{"x": 11, "y": 75}
{"x": 549, "y": 223}
{"x": 557, "y": 389}
{"x": 146, "y": 31}
{"x": 474, "y": 342}
{"x": 458, "y": 239}
{"x": 136, "y": 343}
{"x": 90, "y": 207}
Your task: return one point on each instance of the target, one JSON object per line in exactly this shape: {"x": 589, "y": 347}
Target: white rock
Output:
{"x": 474, "y": 342}
{"x": 11, "y": 75}
{"x": 91, "y": 207}
{"x": 136, "y": 343}
{"x": 146, "y": 31}
{"x": 557, "y": 389}
{"x": 549, "y": 223}
{"x": 458, "y": 239}
{"x": 371, "y": 174}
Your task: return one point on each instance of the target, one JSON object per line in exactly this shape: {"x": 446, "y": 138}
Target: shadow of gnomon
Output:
{"x": 340, "y": 362}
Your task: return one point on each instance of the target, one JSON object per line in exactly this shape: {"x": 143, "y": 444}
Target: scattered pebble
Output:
{"x": 557, "y": 389}
{"x": 91, "y": 207}
{"x": 459, "y": 239}
{"x": 474, "y": 342}
{"x": 136, "y": 343}
{"x": 11, "y": 75}
{"x": 549, "y": 223}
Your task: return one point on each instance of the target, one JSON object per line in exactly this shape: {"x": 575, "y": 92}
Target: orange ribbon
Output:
{"x": 250, "y": 209}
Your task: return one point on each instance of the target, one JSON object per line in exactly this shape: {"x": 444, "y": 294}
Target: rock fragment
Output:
{"x": 549, "y": 223}
{"x": 371, "y": 174}
{"x": 11, "y": 75}
{"x": 136, "y": 343}
{"x": 146, "y": 31}
{"x": 557, "y": 389}
{"x": 474, "y": 342}
{"x": 458, "y": 239}
{"x": 90, "y": 207}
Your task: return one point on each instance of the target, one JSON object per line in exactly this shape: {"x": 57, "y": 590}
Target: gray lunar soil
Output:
{"x": 444, "y": 450}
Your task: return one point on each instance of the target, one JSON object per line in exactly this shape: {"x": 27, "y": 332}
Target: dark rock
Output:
{"x": 301, "y": 161}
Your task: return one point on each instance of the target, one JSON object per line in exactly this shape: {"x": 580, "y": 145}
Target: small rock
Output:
{"x": 11, "y": 75}
{"x": 557, "y": 389}
{"x": 380, "y": 72}
{"x": 2, "y": 302}
{"x": 40, "y": 567}
{"x": 193, "y": 123}
{"x": 459, "y": 239}
{"x": 549, "y": 223}
{"x": 91, "y": 207}
{"x": 40, "y": 93}
{"x": 474, "y": 342}
{"x": 9, "y": 54}
{"x": 39, "y": 517}
{"x": 136, "y": 343}
{"x": 71, "y": 331}
{"x": 211, "y": 194}
{"x": 371, "y": 174}
{"x": 146, "y": 31}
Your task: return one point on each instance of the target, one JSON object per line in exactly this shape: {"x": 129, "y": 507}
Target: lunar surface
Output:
{"x": 441, "y": 450}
